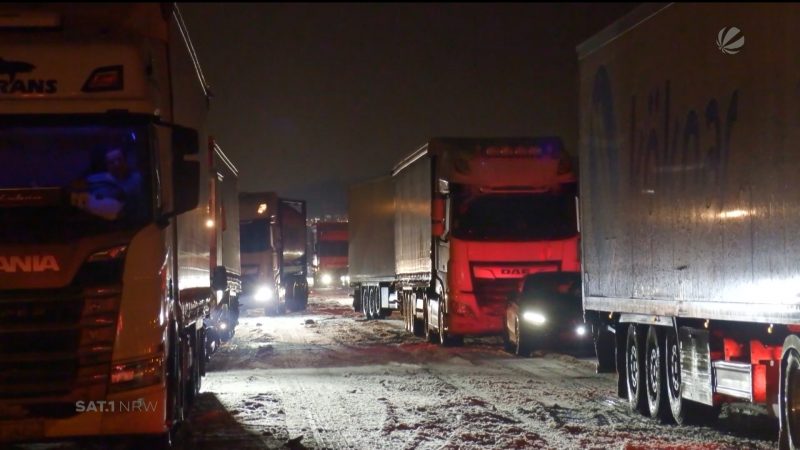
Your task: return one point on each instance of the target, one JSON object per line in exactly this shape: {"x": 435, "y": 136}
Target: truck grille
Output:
{"x": 491, "y": 295}
{"x": 55, "y": 345}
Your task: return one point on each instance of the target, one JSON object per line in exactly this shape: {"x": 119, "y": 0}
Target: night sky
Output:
{"x": 309, "y": 98}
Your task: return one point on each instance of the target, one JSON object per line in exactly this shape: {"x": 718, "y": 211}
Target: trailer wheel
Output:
{"x": 373, "y": 301}
{"x": 654, "y": 373}
{"x": 634, "y": 368}
{"x": 790, "y": 401}
{"x": 365, "y": 307}
{"x": 677, "y": 405}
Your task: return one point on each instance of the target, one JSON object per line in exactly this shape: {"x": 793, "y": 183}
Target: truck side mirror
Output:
{"x": 219, "y": 278}
{"x": 185, "y": 169}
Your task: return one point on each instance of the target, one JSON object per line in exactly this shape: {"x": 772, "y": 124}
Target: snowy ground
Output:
{"x": 326, "y": 378}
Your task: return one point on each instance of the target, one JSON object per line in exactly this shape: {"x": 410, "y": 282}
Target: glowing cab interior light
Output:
{"x": 580, "y": 330}
{"x": 210, "y": 223}
{"x": 262, "y": 208}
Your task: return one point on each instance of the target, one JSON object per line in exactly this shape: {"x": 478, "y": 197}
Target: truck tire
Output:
{"x": 521, "y": 348}
{"x": 655, "y": 363}
{"x": 430, "y": 335}
{"x": 682, "y": 411}
{"x": 507, "y": 346}
{"x": 789, "y": 398}
{"x": 407, "y": 318}
{"x": 634, "y": 368}
{"x": 445, "y": 338}
{"x": 417, "y": 325}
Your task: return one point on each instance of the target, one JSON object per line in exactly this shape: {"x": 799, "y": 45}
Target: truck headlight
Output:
{"x": 136, "y": 374}
{"x": 580, "y": 330}
{"x": 327, "y": 279}
{"x": 534, "y": 317}
{"x": 263, "y": 294}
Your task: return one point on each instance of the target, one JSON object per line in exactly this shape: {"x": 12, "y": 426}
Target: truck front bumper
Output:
{"x": 470, "y": 319}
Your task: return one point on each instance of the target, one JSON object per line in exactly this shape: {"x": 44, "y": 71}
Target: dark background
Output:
{"x": 309, "y": 98}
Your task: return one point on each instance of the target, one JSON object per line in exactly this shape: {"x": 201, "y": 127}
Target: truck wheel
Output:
{"x": 507, "y": 340}
{"x": 417, "y": 325}
{"x": 365, "y": 302}
{"x": 445, "y": 338}
{"x": 371, "y": 303}
{"x": 790, "y": 401}
{"x": 521, "y": 348}
{"x": 407, "y": 317}
{"x": 677, "y": 405}
{"x": 430, "y": 335}
{"x": 634, "y": 367}
{"x": 654, "y": 373}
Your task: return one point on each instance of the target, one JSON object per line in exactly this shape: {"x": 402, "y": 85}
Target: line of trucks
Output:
{"x": 688, "y": 209}
{"x": 120, "y": 260}
{"x": 688, "y": 214}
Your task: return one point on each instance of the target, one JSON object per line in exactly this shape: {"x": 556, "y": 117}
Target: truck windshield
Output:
{"x": 512, "y": 217}
{"x": 254, "y": 235}
{"x": 64, "y": 181}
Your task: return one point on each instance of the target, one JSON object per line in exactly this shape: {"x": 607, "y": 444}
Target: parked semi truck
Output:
{"x": 370, "y": 228}
{"x": 472, "y": 217}
{"x": 106, "y": 302}
{"x": 330, "y": 251}
{"x": 273, "y": 249}
{"x": 224, "y": 252}
{"x": 690, "y": 207}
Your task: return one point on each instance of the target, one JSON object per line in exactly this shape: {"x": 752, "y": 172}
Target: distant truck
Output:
{"x": 273, "y": 252}
{"x": 224, "y": 252}
{"x": 330, "y": 254}
{"x": 371, "y": 217}
{"x": 105, "y": 306}
{"x": 690, "y": 207}
{"x": 471, "y": 217}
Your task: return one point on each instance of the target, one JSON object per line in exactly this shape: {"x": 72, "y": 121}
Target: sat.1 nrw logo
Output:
{"x": 730, "y": 40}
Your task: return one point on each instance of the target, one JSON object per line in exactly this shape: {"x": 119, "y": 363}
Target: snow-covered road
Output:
{"x": 326, "y": 378}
